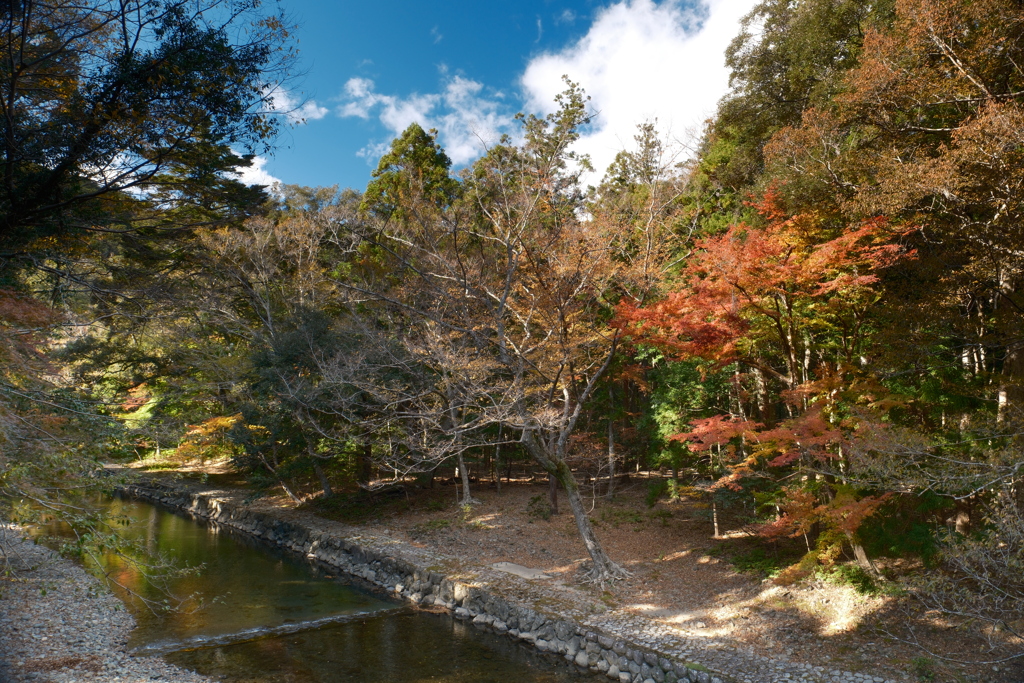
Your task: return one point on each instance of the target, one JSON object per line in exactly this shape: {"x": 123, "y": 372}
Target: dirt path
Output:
{"x": 684, "y": 585}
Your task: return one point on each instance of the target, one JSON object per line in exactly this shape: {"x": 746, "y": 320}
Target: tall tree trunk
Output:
{"x": 497, "y": 460}
{"x": 464, "y": 475}
{"x": 862, "y": 558}
{"x": 1010, "y": 397}
{"x": 553, "y": 494}
{"x": 364, "y": 458}
{"x": 322, "y": 476}
{"x": 714, "y": 517}
{"x": 611, "y": 462}
{"x": 280, "y": 480}
{"x": 488, "y": 466}
{"x": 289, "y": 491}
{"x": 603, "y": 569}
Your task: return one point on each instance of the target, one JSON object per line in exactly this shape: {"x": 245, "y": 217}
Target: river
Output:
{"x": 253, "y": 613}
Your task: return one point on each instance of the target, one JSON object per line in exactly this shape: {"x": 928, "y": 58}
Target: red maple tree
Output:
{"x": 786, "y": 301}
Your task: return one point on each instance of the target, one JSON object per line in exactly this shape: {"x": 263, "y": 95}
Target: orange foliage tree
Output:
{"x": 785, "y": 305}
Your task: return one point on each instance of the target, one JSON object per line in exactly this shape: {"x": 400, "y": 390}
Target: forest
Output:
{"x": 813, "y": 320}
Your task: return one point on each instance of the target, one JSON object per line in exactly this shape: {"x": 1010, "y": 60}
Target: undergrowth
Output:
{"x": 617, "y": 516}
{"x": 360, "y": 506}
{"x": 788, "y": 564}
{"x": 431, "y": 525}
{"x": 538, "y": 508}
{"x": 854, "y": 576}
{"x": 757, "y": 560}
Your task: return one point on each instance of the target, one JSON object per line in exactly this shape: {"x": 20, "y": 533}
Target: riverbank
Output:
{"x": 684, "y": 615}
{"x": 557, "y": 616}
{"x": 60, "y": 624}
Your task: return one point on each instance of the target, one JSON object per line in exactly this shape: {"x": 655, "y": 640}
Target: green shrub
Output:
{"x": 757, "y": 561}
{"x": 539, "y": 508}
{"x": 854, "y": 576}
{"x": 907, "y": 525}
{"x": 616, "y": 517}
{"x": 655, "y": 491}
{"x": 663, "y": 515}
{"x": 923, "y": 668}
{"x": 850, "y": 575}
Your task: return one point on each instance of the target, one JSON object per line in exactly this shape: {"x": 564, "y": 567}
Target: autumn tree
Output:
{"x": 100, "y": 98}
{"x": 927, "y": 132}
{"x": 274, "y": 297}
{"x": 119, "y": 122}
{"x": 906, "y": 388}
{"x": 424, "y": 394}
{"x": 785, "y": 303}
{"x": 512, "y": 276}
{"x": 788, "y": 57}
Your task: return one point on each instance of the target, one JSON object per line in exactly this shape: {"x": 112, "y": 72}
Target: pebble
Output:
{"x": 59, "y": 624}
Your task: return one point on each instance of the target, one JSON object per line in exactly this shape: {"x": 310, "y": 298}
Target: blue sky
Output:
{"x": 371, "y": 68}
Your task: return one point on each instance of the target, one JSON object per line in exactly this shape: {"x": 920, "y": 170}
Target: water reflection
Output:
{"x": 249, "y": 610}
{"x": 416, "y": 647}
{"x": 241, "y": 585}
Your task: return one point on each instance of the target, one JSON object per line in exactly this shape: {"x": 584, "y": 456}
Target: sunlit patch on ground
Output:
{"x": 488, "y": 521}
{"x": 674, "y": 556}
{"x": 738, "y": 533}
{"x": 641, "y": 608}
{"x": 563, "y": 568}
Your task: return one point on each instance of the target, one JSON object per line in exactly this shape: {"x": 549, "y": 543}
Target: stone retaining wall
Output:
{"x": 617, "y": 659}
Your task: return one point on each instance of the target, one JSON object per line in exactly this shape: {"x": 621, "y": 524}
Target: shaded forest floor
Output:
{"x": 684, "y": 578}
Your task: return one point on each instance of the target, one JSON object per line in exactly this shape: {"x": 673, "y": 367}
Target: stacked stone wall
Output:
{"x": 591, "y": 650}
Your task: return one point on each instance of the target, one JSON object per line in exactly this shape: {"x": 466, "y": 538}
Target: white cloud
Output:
{"x": 256, "y": 174}
{"x": 472, "y": 120}
{"x": 285, "y": 103}
{"x": 359, "y": 92}
{"x": 642, "y": 60}
{"x": 311, "y": 111}
{"x": 394, "y": 112}
{"x": 373, "y": 151}
{"x": 467, "y": 116}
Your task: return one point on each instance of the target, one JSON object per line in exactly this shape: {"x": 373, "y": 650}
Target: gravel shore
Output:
{"x": 59, "y": 624}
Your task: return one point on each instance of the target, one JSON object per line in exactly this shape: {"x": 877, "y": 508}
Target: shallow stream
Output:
{"x": 253, "y": 613}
